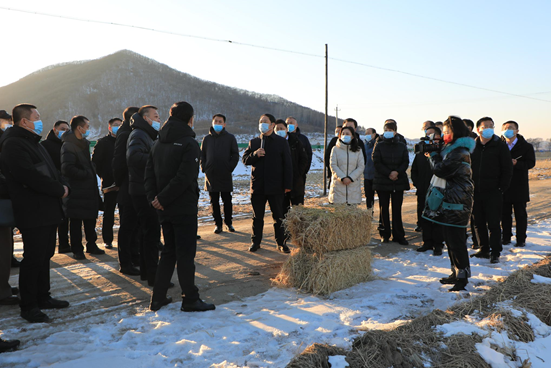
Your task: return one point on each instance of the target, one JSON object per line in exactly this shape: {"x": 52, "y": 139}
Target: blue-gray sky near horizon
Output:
{"x": 496, "y": 45}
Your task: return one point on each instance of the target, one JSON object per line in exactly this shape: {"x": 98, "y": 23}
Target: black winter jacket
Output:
{"x": 299, "y": 158}
{"x": 77, "y": 168}
{"x": 34, "y": 184}
{"x": 390, "y": 155}
{"x": 138, "y": 146}
{"x": 53, "y": 144}
{"x": 452, "y": 205}
{"x": 421, "y": 173}
{"x": 219, "y": 157}
{"x": 492, "y": 165}
{"x": 307, "y": 147}
{"x": 272, "y": 173}
{"x": 172, "y": 170}
{"x": 519, "y": 190}
{"x": 102, "y": 157}
{"x": 120, "y": 168}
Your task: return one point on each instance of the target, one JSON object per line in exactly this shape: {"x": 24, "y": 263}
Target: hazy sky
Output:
{"x": 498, "y": 45}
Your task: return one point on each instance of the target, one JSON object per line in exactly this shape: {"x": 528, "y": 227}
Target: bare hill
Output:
{"x": 101, "y": 89}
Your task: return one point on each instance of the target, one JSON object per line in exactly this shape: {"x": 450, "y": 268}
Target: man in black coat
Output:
{"x": 219, "y": 157}
{"x": 271, "y": 177}
{"x": 128, "y": 241}
{"x": 518, "y": 194}
{"x": 470, "y": 124}
{"x": 172, "y": 189}
{"x": 53, "y": 144}
{"x": 36, "y": 191}
{"x": 103, "y": 159}
{"x": 492, "y": 169}
{"x": 299, "y": 158}
{"x": 83, "y": 202}
{"x": 145, "y": 125}
{"x": 293, "y": 128}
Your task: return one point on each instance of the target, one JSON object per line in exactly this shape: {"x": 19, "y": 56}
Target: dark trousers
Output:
{"x": 6, "y": 236}
{"x": 34, "y": 272}
{"x": 397, "y": 197}
{"x": 421, "y": 197}
{"x": 128, "y": 240}
{"x": 473, "y": 232}
{"x": 75, "y": 228}
{"x": 258, "y": 200}
{"x": 63, "y": 234}
{"x": 369, "y": 193}
{"x": 180, "y": 248}
{"x": 228, "y": 208}
{"x": 521, "y": 218}
{"x": 455, "y": 238}
{"x": 289, "y": 201}
{"x": 433, "y": 234}
{"x": 150, "y": 236}
{"x": 487, "y": 216}
{"x": 109, "y": 204}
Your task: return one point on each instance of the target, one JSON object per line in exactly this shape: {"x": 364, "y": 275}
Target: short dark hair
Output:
{"x": 469, "y": 123}
{"x": 391, "y": 121}
{"x": 339, "y": 126}
{"x": 145, "y": 109}
{"x": 431, "y": 123}
{"x": 436, "y": 130}
{"x": 22, "y": 111}
{"x": 59, "y": 122}
{"x": 458, "y": 127}
{"x": 391, "y": 125}
{"x": 486, "y": 118}
{"x": 219, "y": 116}
{"x": 281, "y": 121}
{"x": 78, "y": 120}
{"x": 291, "y": 117}
{"x": 271, "y": 117}
{"x": 372, "y": 129}
{"x": 129, "y": 111}
{"x": 182, "y": 110}
{"x": 4, "y": 115}
{"x": 438, "y": 123}
{"x": 111, "y": 121}
{"x": 511, "y": 122}
{"x": 352, "y": 121}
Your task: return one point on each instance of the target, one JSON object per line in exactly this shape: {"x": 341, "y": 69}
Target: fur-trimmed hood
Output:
{"x": 465, "y": 142}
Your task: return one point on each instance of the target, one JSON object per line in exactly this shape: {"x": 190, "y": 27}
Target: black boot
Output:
{"x": 8, "y": 345}
{"x": 424, "y": 248}
{"x": 459, "y": 285}
{"x": 450, "y": 280}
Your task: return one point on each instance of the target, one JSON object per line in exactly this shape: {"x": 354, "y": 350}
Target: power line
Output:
{"x": 272, "y": 49}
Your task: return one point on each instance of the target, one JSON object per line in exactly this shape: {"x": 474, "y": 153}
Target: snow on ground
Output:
{"x": 268, "y": 329}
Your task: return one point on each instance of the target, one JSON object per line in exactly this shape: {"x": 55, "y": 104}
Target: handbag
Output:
{"x": 7, "y": 218}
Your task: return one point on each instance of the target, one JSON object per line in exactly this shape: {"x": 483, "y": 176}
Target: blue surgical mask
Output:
{"x": 217, "y": 128}
{"x": 86, "y": 134}
{"x": 7, "y": 126}
{"x": 263, "y": 127}
{"x": 38, "y": 127}
{"x": 509, "y": 134}
{"x": 291, "y": 128}
{"x": 281, "y": 133}
{"x": 488, "y": 133}
{"x": 346, "y": 139}
{"x": 368, "y": 138}
{"x": 115, "y": 130}
{"x": 156, "y": 125}
{"x": 60, "y": 133}
{"x": 388, "y": 135}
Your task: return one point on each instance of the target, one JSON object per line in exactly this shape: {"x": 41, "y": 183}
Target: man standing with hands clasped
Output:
{"x": 271, "y": 177}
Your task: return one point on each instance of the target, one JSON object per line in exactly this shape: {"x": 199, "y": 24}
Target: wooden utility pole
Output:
{"x": 337, "y": 116}
{"x": 326, "y": 121}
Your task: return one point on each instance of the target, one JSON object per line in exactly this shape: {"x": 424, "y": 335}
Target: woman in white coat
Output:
{"x": 347, "y": 165}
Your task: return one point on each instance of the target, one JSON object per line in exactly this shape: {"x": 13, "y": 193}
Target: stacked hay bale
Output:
{"x": 332, "y": 252}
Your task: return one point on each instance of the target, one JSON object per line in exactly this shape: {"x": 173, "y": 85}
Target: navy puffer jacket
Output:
{"x": 452, "y": 205}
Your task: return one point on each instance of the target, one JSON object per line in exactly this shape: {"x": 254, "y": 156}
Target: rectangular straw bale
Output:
{"x": 325, "y": 273}
{"x": 329, "y": 228}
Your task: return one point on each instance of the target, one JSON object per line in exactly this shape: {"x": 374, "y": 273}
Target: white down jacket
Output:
{"x": 346, "y": 163}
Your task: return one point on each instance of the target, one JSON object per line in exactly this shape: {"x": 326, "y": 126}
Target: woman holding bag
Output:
{"x": 450, "y": 197}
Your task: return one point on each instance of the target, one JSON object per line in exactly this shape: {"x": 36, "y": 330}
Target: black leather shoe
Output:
{"x": 53, "y": 304}
{"x": 64, "y": 250}
{"x": 520, "y": 244}
{"x": 197, "y": 306}
{"x": 418, "y": 229}
{"x": 506, "y": 241}
{"x": 254, "y": 247}
{"x": 283, "y": 248}
{"x": 158, "y": 304}
{"x": 230, "y": 228}
{"x": 198, "y": 237}
{"x": 424, "y": 248}
{"x": 437, "y": 251}
{"x": 79, "y": 256}
{"x": 8, "y": 345}
{"x": 218, "y": 230}
{"x": 95, "y": 251}
{"x": 450, "y": 280}
{"x": 130, "y": 271}
{"x": 15, "y": 263}
{"x": 459, "y": 285}
{"x": 402, "y": 242}
{"x": 494, "y": 258}
{"x": 35, "y": 315}
{"x": 108, "y": 246}
{"x": 481, "y": 254}
{"x": 10, "y": 300}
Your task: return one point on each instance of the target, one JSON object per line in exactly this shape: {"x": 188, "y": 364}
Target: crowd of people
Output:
{"x": 150, "y": 171}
